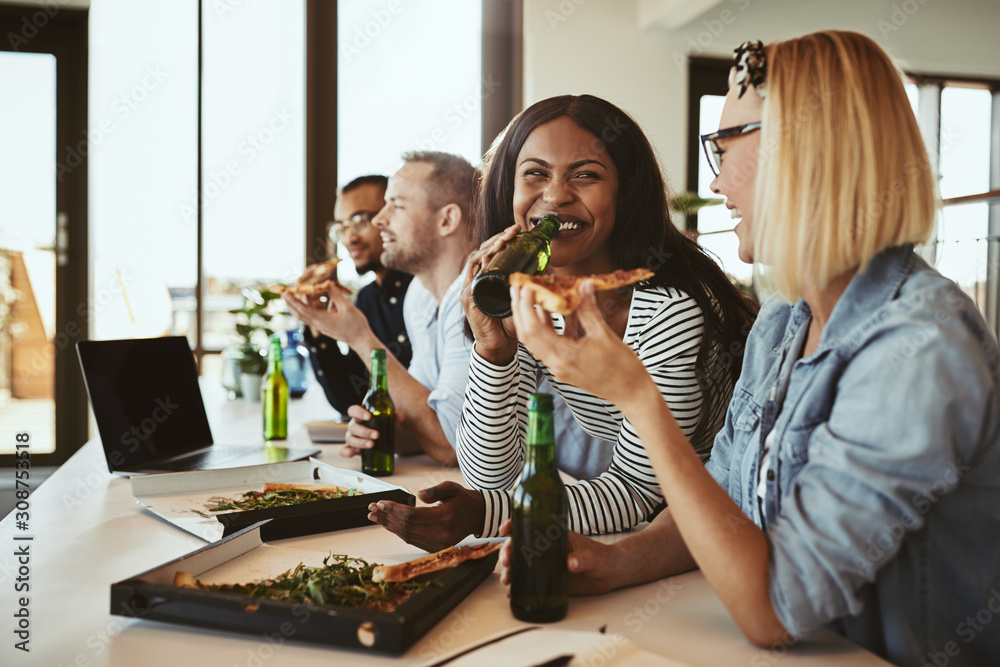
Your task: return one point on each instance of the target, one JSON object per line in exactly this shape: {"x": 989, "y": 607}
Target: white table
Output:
{"x": 89, "y": 532}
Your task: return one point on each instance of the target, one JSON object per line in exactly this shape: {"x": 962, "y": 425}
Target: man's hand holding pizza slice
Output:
{"x": 337, "y": 317}
{"x": 314, "y": 286}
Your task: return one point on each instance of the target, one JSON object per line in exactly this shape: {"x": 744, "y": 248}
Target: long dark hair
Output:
{"x": 643, "y": 234}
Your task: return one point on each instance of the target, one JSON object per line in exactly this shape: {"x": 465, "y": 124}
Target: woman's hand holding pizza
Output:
{"x": 495, "y": 342}
{"x": 590, "y": 356}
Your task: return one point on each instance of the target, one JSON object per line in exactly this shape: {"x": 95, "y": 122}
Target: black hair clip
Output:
{"x": 749, "y": 67}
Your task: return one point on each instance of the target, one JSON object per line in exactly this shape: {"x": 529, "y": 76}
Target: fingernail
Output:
{"x": 372, "y": 507}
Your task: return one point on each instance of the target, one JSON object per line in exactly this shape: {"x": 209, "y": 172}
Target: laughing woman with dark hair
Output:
{"x": 587, "y": 162}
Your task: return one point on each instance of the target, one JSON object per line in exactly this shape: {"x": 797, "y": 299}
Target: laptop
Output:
{"x": 150, "y": 412}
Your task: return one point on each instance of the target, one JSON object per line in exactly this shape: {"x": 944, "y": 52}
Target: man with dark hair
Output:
{"x": 426, "y": 230}
{"x": 344, "y": 377}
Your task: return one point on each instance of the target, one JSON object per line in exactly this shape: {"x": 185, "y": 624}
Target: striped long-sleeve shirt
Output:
{"x": 665, "y": 328}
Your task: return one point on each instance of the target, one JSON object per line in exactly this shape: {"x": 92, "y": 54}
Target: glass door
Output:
{"x": 27, "y": 249}
{"x": 43, "y": 268}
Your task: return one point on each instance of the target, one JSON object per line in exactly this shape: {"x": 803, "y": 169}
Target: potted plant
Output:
{"x": 245, "y": 363}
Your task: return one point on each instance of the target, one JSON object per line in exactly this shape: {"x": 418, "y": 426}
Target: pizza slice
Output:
{"x": 316, "y": 280}
{"x": 341, "y": 581}
{"x": 317, "y": 273}
{"x": 308, "y": 289}
{"x": 440, "y": 560}
{"x": 561, "y": 294}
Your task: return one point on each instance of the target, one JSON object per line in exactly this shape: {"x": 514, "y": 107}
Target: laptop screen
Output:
{"x": 145, "y": 397}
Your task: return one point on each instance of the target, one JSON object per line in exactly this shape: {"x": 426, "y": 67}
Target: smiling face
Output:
{"x": 364, "y": 245}
{"x": 407, "y": 221}
{"x": 740, "y": 156}
{"x": 564, "y": 170}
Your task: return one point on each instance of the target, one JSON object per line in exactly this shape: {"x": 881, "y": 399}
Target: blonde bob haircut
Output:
{"x": 843, "y": 169}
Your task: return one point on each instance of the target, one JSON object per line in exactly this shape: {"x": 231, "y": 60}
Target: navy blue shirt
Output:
{"x": 344, "y": 377}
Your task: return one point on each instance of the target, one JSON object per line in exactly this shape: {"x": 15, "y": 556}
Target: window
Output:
{"x": 143, "y": 167}
{"x": 715, "y": 224}
{"x": 402, "y": 88}
{"x": 253, "y": 156}
{"x": 398, "y": 86}
{"x": 965, "y": 170}
{"x": 708, "y": 82}
{"x": 145, "y": 105}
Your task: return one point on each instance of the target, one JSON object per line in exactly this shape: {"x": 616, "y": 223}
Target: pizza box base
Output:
{"x": 174, "y": 495}
{"x": 247, "y": 556}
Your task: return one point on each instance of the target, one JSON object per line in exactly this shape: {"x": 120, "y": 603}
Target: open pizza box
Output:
{"x": 185, "y": 499}
{"x": 247, "y": 556}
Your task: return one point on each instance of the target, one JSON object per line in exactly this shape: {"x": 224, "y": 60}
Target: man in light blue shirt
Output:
{"x": 440, "y": 350}
{"x": 426, "y": 231}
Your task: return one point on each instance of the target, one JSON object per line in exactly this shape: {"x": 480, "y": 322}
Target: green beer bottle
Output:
{"x": 528, "y": 252}
{"x": 380, "y": 459}
{"x": 539, "y": 519}
{"x": 274, "y": 393}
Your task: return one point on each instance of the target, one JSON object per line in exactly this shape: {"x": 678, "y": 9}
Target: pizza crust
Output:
{"x": 317, "y": 273}
{"x": 281, "y": 486}
{"x": 185, "y": 580}
{"x": 310, "y": 289}
{"x": 561, "y": 294}
{"x": 440, "y": 560}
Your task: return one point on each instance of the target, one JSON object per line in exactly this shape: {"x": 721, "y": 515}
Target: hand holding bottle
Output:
{"x": 595, "y": 568}
{"x": 495, "y": 341}
{"x": 379, "y": 459}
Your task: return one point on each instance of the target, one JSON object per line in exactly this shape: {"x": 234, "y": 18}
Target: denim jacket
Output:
{"x": 882, "y": 508}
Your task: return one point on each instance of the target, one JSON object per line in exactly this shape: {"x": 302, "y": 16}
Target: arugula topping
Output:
{"x": 259, "y": 500}
{"x": 342, "y": 581}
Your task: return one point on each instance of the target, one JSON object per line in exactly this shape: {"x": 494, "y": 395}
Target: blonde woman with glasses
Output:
{"x": 856, "y": 482}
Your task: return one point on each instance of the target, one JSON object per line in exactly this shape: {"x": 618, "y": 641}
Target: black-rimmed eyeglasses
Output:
{"x": 357, "y": 223}
{"x": 710, "y": 142}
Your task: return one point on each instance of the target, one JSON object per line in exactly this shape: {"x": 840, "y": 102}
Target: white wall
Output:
{"x": 597, "y": 47}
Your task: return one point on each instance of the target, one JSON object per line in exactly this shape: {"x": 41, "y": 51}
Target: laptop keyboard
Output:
{"x": 220, "y": 458}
